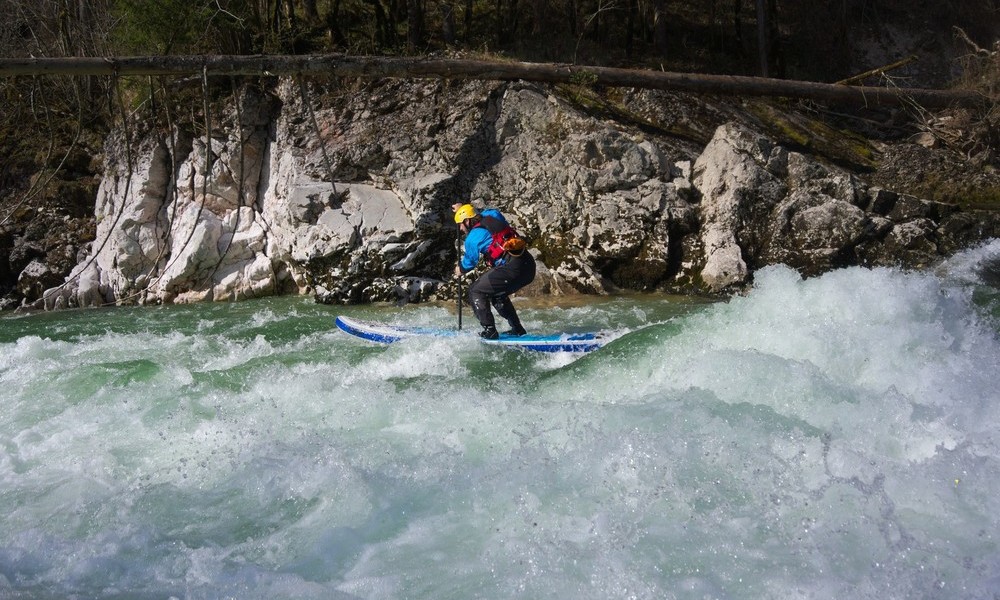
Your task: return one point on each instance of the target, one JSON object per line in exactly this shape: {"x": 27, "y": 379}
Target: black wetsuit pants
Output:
{"x": 496, "y": 286}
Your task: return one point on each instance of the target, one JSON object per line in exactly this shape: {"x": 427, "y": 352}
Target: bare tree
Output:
{"x": 309, "y": 7}
{"x": 660, "y": 26}
{"x": 414, "y": 24}
{"x": 448, "y": 22}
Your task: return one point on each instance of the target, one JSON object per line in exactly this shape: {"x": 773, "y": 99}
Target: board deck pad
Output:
{"x": 386, "y": 334}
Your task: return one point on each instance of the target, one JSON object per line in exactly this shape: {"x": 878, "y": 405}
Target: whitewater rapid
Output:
{"x": 835, "y": 436}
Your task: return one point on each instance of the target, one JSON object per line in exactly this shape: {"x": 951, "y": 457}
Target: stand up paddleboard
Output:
{"x": 386, "y": 334}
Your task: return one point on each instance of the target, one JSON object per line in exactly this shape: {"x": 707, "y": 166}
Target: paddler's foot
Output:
{"x": 516, "y": 331}
{"x": 489, "y": 332}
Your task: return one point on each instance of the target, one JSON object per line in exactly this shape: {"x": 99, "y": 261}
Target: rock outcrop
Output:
{"x": 346, "y": 195}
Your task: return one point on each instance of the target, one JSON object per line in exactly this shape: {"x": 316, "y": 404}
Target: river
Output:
{"x": 831, "y": 437}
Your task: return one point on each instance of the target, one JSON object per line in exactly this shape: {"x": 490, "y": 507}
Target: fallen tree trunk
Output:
{"x": 411, "y": 68}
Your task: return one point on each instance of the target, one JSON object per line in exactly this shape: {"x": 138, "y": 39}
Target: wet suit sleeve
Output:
{"x": 476, "y": 243}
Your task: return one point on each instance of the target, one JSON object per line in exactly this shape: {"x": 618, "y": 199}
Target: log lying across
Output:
{"x": 447, "y": 68}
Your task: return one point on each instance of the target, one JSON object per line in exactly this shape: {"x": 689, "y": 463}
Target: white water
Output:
{"x": 834, "y": 437}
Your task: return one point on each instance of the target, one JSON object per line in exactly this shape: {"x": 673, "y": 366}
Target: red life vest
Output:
{"x": 505, "y": 239}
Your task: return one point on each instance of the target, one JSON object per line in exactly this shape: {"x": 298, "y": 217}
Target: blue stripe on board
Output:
{"x": 386, "y": 334}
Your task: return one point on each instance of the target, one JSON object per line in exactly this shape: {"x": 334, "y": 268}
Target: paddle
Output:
{"x": 458, "y": 252}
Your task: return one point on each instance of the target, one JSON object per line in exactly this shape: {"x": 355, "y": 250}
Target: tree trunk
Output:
{"x": 333, "y": 25}
{"x": 629, "y": 26}
{"x": 419, "y": 68}
{"x": 775, "y": 51}
{"x": 498, "y": 15}
{"x": 512, "y": 19}
{"x": 384, "y": 27}
{"x": 738, "y": 23}
{"x": 660, "y": 26}
{"x": 763, "y": 37}
{"x": 448, "y": 23}
{"x": 276, "y": 17}
{"x": 309, "y": 7}
{"x": 467, "y": 22}
{"x": 572, "y": 16}
{"x": 414, "y": 25}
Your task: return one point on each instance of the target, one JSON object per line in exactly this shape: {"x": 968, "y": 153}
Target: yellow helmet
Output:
{"x": 464, "y": 212}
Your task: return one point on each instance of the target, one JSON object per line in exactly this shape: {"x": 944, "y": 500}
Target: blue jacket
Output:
{"x": 477, "y": 241}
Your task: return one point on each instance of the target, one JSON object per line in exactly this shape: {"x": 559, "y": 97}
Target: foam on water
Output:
{"x": 815, "y": 438}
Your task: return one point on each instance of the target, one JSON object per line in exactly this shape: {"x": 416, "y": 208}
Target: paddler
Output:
{"x": 488, "y": 234}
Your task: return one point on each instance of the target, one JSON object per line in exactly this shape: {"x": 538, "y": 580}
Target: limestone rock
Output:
{"x": 354, "y": 206}
{"x": 735, "y": 186}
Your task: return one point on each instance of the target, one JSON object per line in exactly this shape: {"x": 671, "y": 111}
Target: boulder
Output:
{"x": 736, "y": 187}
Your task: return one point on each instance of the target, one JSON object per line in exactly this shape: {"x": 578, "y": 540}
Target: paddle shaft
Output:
{"x": 458, "y": 252}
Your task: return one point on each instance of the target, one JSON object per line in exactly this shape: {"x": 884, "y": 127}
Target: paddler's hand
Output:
{"x": 458, "y": 271}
